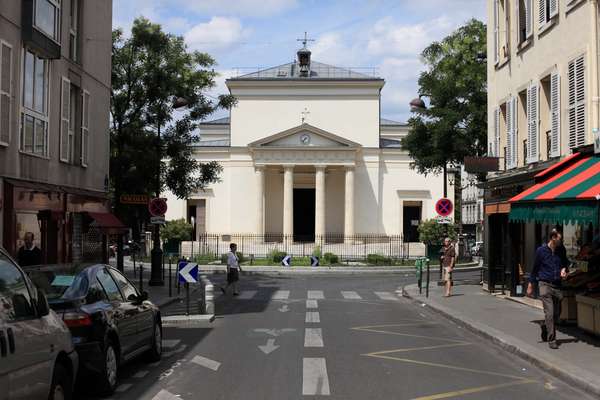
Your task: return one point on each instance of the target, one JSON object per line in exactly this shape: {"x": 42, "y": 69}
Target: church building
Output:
{"x": 306, "y": 154}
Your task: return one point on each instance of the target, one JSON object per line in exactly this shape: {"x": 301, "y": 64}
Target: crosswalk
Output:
{"x": 312, "y": 296}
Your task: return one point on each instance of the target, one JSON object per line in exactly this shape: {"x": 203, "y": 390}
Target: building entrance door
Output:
{"x": 411, "y": 220}
{"x": 304, "y": 215}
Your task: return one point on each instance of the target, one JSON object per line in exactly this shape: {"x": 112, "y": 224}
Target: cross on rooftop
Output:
{"x": 305, "y": 40}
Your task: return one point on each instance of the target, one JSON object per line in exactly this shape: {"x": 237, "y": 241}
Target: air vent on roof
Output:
{"x": 281, "y": 73}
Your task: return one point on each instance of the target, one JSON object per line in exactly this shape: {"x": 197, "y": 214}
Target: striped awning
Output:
{"x": 569, "y": 191}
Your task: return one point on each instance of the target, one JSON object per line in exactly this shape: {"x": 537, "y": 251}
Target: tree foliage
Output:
{"x": 430, "y": 232}
{"x": 150, "y": 70}
{"x": 455, "y": 123}
{"x": 177, "y": 230}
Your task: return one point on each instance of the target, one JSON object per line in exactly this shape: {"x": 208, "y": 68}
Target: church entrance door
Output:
{"x": 304, "y": 215}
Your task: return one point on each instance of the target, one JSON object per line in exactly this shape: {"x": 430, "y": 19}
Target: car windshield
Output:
{"x": 60, "y": 285}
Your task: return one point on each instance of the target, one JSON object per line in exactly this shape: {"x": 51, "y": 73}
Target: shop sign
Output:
{"x": 134, "y": 199}
{"x": 477, "y": 165}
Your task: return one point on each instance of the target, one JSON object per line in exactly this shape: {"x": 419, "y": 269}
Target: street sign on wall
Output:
{"x": 444, "y": 207}
{"x": 157, "y": 207}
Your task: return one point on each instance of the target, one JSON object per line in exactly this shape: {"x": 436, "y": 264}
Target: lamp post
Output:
{"x": 156, "y": 275}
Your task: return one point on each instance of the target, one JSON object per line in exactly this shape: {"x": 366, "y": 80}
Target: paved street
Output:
{"x": 349, "y": 337}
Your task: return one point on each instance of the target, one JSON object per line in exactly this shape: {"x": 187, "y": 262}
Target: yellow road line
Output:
{"x": 417, "y": 348}
{"x": 410, "y": 335}
{"x": 474, "y": 390}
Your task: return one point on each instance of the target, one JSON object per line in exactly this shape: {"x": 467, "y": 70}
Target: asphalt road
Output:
{"x": 341, "y": 337}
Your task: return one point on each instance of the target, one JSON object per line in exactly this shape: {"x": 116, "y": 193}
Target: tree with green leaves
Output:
{"x": 177, "y": 230}
{"x": 433, "y": 233}
{"x": 153, "y": 71}
{"x": 454, "y": 125}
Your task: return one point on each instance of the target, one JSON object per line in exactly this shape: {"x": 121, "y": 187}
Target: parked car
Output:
{"x": 477, "y": 249}
{"x": 37, "y": 357}
{"x": 110, "y": 320}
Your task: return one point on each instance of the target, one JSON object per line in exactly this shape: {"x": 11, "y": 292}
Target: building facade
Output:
{"x": 306, "y": 154}
{"x": 542, "y": 107}
{"x": 471, "y": 207}
{"x": 54, "y": 113}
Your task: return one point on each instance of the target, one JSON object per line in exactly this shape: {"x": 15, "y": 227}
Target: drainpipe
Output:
{"x": 594, "y": 66}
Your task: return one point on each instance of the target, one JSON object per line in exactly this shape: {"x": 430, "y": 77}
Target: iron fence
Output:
{"x": 372, "y": 248}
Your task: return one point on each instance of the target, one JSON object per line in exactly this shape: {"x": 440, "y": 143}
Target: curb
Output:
{"x": 517, "y": 347}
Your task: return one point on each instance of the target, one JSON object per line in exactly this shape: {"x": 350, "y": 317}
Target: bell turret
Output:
{"x": 304, "y": 57}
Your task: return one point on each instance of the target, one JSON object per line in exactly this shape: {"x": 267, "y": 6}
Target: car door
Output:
{"x": 123, "y": 314}
{"x": 25, "y": 345}
{"x": 145, "y": 315}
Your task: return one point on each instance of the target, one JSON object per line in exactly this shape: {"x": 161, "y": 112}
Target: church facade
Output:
{"x": 306, "y": 153}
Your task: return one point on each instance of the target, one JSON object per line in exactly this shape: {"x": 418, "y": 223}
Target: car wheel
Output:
{"x": 62, "y": 386}
{"x": 110, "y": 367}
{"x": 155, "y": 352}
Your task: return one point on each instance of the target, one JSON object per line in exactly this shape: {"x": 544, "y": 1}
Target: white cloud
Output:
{"x": 217, "y": 34}
{"x": 253, "y": 8}
{"x": 177, "y": 25}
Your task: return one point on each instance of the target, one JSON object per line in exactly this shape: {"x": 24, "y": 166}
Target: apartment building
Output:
{"x": 471, "y": 207}
{"x": 55, "y": 74}
{"x": 542, "y": 109}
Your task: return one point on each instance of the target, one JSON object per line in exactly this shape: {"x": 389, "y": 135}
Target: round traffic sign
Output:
{"x": 444, "y": 207}
{"x": 157, "y": 207}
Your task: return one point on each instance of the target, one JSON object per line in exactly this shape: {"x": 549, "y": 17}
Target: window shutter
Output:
{"x": 576, "y": 76}
{"x": 5, "y": 91}
{"x": 555, "y": 115}
{"x": 528, "y": 18}
{"x": 65, "y": 114}
{"x": 532, "y": 124}
{"x": 506, "y": 30}
{"x": 542, "y": 12}
{"x": 515, "y": 131}
{"x": 496, "y": 32}
{"x": 496, "y": 138}
{"x": 85, "y": 127}
{"x": 509, "y": 147}
{"x": 553, "y": 6}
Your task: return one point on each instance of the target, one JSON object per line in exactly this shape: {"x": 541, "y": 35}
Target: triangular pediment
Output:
{"x": 304, "y": 136}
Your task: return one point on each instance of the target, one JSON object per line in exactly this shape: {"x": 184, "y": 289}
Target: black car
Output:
{"x": 111, "y": 322}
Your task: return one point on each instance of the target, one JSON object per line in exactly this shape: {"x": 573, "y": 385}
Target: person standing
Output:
{"x": 549, "y": 269}
{"x": 448, "y": 263}
{"x": 233, "y": 270}
{"x": 29, "y": 253}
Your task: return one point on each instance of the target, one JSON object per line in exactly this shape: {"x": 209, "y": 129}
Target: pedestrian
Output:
{"x": 233, "y": 270}
{"x": 448, "y": 263}
{"x": 29, "y": 253}
{"x": 549, "y": 269}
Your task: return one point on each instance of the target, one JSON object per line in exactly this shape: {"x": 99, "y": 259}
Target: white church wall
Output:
{"x": 367, "y": 218}
{"x": 273, "y": 201}
{"x": 334, "y": 201}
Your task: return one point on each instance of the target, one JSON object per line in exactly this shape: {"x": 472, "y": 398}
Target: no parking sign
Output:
{"x": 444, "y": 207}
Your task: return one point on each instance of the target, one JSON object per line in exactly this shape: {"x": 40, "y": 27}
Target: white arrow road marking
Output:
{"x": 312, "y": 304}
{"x": 281, "y": 295}
{"x": 312, "y": 317}
{"x": 247, "y": 294}
{"x": 284, "y": 308}
{"x": 275, "y": 332}
{"x": 165, "y": 395}
{"x": 123, "y": 387}
{"x": 386, "y": 296}
{"x": 313, "y": 337}
{"x": 206, "y": 362}
{"x": 314, "y": 377}
{"x": 351, "y": 295}
{"x": 315, "y": 294}
{"x": 185, "y": 272}
{"x": 269, "y": 347}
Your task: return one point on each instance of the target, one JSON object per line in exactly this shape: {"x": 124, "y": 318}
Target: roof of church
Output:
{"x": 389, "y": 122}
{"x": 317, "y": 71}
{"x": 226, "y": 121}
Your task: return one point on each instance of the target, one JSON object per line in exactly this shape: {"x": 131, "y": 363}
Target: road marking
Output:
{"x": 269, "y": 347}
{"x": 386, "y": 296}
{"x": 281, "y": 295}
{"x": 370, "y": 329}
{"x": 314, "y": 377}
{"x": 474, "y": 390}
{"x": 247, "y": 294}
{"x": 206, "y": 362}
{"x": 141, "y": 374}
{"x": 170, "y": 344}
{"x": 312, "y": 304}
{"x": 165, "y": 395}
{"x": 315, "y": 294}
{"x": 312, "y": 317}
{"x": 313, "y": 337}
{"x": 351, "y": 295}
{"x": 284, "y": 308}
{"x": 123, "y": 387}
{"x": 274, "y": 332}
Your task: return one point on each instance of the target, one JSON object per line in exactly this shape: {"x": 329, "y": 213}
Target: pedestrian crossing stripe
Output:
{"x": 319, "y": 295}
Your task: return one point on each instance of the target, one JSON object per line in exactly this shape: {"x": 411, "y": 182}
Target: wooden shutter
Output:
{"x": 5, "y": 91}
{"x": 515, "y": 132}
{"x": 509, "y": 137}
{"x": 528, "y": 18}
{"x": 542, "y": 14}
{"x": 532, "y": 124}
{"x": 65, "y": 115}
{"x": 555, "y": 115}
{"x": 495, "y": 143}
{"x": 553, "y": 6}
{"x": 85, "y": 127}
{"x": 496, "y": 31}
{"x": 576, "y": 76}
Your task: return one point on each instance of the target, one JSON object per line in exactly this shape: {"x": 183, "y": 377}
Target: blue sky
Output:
{"x": 384, "y": 35}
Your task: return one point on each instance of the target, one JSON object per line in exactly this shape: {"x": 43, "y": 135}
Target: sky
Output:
{"x": 384, "y": 37}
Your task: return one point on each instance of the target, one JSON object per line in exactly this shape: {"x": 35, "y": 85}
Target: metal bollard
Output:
{"x": 427, "y": 287}
{"x": 209, "y": 297}
{"x": 141, "y": 277}
{"x": 170, "y": 280}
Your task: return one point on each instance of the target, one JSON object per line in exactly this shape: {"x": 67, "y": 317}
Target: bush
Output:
{"x": 177, "y": 230}
{"x": 277, "y": 256}
{"x": 331, "y": 258}
{"x": 378, "y": 259}
{"x": 430, "y": 232}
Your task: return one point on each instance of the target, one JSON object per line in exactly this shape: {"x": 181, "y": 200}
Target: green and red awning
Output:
{"x": 569, "y": 191}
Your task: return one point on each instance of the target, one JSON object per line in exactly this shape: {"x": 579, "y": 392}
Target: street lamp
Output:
{"x": 156, "y": 276}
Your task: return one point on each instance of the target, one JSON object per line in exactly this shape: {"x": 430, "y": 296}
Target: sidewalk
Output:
{"x": 515, "y": 327}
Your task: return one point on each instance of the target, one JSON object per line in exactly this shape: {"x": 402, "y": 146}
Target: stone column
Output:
{"x": 288, "y": 200}
{"x": 319, "y": 202}
{"x": 349, "y": 204}
{"x": 260, "y": 200}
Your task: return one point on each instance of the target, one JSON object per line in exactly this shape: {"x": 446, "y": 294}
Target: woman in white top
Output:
{"x": 233, "y": 270}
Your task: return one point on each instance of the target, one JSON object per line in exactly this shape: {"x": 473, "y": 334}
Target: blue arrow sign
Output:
{"x": 314, "y": 261}
{"x": 286, "y": 261}
{"x": 187, "y": 272}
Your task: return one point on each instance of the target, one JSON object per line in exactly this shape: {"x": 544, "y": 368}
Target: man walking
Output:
{"x": 549, "y": 269}
{"x": 29, "y": 254}
{"x": 233, "y": 269}
{"x": 448, "y": 262}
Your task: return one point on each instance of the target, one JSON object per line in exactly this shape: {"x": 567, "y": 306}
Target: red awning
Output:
{"x": 108, "y": 223}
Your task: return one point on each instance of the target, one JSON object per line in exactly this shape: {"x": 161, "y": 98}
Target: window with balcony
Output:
{"x": 47, "y": 18}
{"x": 34, "y": 114}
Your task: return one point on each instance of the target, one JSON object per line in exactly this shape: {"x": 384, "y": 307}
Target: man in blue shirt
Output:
{"x": 549, "y": 269}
